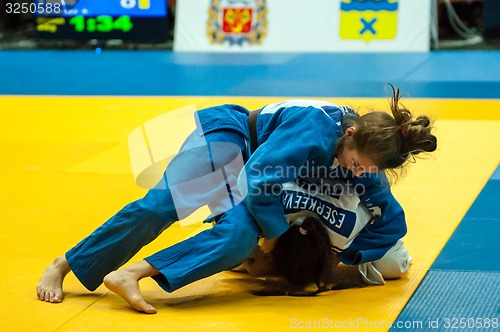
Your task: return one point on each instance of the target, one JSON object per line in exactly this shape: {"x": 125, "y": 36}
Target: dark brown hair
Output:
{"x": 303, "y": 255}
{"x": 393, "y": 141}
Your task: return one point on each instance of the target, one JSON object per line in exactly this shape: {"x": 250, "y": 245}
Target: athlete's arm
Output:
{"x": 388, "y": 226}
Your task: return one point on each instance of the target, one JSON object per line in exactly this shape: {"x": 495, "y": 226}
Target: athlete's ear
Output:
{"x": 350, "y": 131}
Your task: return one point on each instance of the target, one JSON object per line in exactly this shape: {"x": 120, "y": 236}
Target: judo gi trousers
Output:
{"x": 226, "y": 245}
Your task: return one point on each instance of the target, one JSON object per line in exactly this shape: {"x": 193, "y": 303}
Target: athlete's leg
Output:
{"x": 226, "y": 245}
{"x": 229, "y": 243}
{"x": 138, "y": 223}
{"x": 49, "y": 288}
{"x": 122, "y": 236}
{"x": 110, "y": 245}
{"x": 125, "y": 282}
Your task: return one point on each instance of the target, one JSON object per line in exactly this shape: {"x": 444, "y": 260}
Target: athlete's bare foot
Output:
{"x": 126, "y": 284}
{"x": 49, "y": 288}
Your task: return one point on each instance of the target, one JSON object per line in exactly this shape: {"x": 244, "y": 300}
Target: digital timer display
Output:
{"x": 101, "y": 23}
{"x": 129, "y": 20}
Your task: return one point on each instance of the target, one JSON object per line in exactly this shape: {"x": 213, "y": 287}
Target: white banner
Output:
{"x": 303, "y": 26}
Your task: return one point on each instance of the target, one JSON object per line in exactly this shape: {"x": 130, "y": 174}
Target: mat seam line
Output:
{"x": 81, "y": 312}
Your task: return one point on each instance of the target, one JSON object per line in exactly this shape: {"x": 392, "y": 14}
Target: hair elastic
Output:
{"x": 302, "y": 231}
{"x": 404, "y": 131}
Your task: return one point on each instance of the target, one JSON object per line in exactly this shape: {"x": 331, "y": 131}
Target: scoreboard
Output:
{"x": 128, "y": 20}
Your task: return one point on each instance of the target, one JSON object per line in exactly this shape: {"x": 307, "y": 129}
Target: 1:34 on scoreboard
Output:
{"x": 101, "y": 23}
{"x": 131, "y": 20}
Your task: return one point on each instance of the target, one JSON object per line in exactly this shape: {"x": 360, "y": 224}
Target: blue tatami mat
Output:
{"x": 441, "y": 74}
{"x": 475, "y": 245}
{"x": 461, "y": 291}
{"x": 453, "y": 301}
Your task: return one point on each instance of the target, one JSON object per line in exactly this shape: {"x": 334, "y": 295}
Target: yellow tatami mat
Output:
{"x": 65, "y": 169}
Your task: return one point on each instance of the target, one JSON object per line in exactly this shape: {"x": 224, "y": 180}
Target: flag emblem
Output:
{"x": 368, "y": 19}
{"x": 236, "y": 22}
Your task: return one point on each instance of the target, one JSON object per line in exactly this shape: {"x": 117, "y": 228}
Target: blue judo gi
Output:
{"x": 290, "y": 135}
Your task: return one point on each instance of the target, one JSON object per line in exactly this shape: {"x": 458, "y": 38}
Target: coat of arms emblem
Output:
{"x": 237, "y": 22}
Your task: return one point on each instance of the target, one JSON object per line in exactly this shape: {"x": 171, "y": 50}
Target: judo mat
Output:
{"x": 65, "y": 169}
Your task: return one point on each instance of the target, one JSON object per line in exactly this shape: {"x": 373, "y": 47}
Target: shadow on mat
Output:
{"x": 231, "y": 286}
